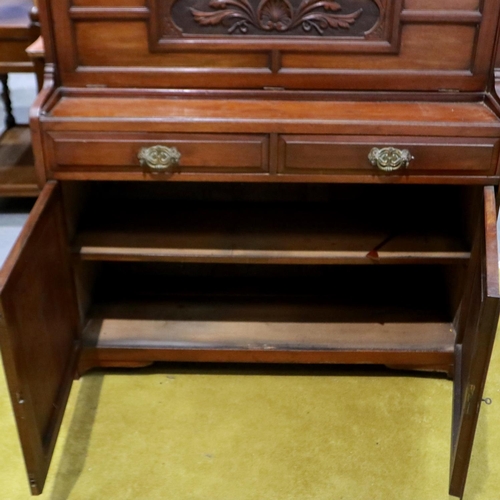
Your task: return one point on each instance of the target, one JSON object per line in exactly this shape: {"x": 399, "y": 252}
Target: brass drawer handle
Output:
{"x": 159, "y": 158}
{"x": 390, "y": 159}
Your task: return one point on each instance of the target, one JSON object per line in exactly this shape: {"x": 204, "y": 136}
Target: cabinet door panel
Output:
{"x": 476, "y": 334}
{"x": 38, "y": 331}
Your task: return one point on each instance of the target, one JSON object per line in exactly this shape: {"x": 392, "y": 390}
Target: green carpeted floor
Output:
{"x": 177, "y": 435}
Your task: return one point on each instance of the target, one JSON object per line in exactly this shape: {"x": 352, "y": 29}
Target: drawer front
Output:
{"x": 199, "y": 153}
{"x": 300, "y": 154}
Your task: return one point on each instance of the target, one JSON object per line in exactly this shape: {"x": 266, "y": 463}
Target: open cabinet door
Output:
{"x": 39, "y": 331}
{"x": 475, "y": 336}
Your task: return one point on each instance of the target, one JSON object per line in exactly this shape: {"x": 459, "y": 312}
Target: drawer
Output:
{"x": 301, "y": 154}
{"x": 199, "y": 153}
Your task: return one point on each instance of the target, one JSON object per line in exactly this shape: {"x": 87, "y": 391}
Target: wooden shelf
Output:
{"x": 17, "y": 171}
{"x": 191, "y": 340}
{"x": 266, "y": 329}
{"x": 204, "y": 327}
{"x": 280, "y": 233}
{"x": 176, "y": 315}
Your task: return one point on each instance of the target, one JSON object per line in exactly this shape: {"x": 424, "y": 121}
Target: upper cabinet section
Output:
{"x": 292, "y": 44}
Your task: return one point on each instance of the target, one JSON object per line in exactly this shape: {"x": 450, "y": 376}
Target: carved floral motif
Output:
{"x": 275, "y": 15}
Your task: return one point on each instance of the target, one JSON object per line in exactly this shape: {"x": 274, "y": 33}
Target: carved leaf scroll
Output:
{"x": 275, "y": 15}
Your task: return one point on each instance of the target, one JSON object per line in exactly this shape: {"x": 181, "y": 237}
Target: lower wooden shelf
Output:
{"x": 287, "y": 316}
{"x": 237, "y": 341}
{"x": 17, "y": 171}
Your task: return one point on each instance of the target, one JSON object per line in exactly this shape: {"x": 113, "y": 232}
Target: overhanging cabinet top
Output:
{"x": 297, "y": 44}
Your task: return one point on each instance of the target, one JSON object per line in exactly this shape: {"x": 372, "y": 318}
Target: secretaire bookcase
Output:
{"x": 282, "y": 181}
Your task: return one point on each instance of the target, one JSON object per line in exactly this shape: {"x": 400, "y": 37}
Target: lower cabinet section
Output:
{"x": 127, "y": 274}
{"x": 315, "y": 314}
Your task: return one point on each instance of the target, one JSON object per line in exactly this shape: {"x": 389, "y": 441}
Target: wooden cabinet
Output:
{"x": 212, "y": 169}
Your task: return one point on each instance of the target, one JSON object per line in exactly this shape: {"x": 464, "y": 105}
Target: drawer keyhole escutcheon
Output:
{"x": 159, "y": 158}
{"x": 390, "y": 159}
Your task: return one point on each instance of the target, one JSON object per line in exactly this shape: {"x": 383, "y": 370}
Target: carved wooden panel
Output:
{"x": 275, "y": 17}
{"x": 366, "y": 25}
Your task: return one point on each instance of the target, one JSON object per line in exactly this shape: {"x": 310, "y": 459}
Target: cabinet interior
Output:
{"x": 171, "y": 270}
{"x": 288, "y": 224}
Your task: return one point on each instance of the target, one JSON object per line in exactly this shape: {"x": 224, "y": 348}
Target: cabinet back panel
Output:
{"x": 127, "y": 45}
{"x": 417, "y": 52}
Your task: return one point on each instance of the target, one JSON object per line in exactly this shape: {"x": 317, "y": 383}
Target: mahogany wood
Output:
{"x": 252, "y": 114}
{"x": 250, "y": 314}
{"x": 38, "y": 331}
{"x": 200, "y": 152}
{"x": 327, "y": 153}
{"x": 232, "y": 256}
{"x": 17, "y": 31}
{"x": 18, "y": 28}
{"x": 274, "y": 232}
{"x": 473, "y": 352}
{"x": 210, "y": 62}
{"x": 36, "y": 52}
{"x": 17, "y": 170}
{"x": 197, "y": 341}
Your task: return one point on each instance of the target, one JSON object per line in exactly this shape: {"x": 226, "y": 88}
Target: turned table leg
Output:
{"x": 9, "y": 120}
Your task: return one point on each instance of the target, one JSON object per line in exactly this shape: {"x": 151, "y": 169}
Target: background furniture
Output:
{"x": 314, "y": 184}
{"x": 18, "y": 29}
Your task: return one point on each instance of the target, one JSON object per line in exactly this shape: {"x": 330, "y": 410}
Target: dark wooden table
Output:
{"x": 18, "y": 30}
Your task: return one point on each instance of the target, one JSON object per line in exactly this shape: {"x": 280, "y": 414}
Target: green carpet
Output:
{"x": 173, "y": 434}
